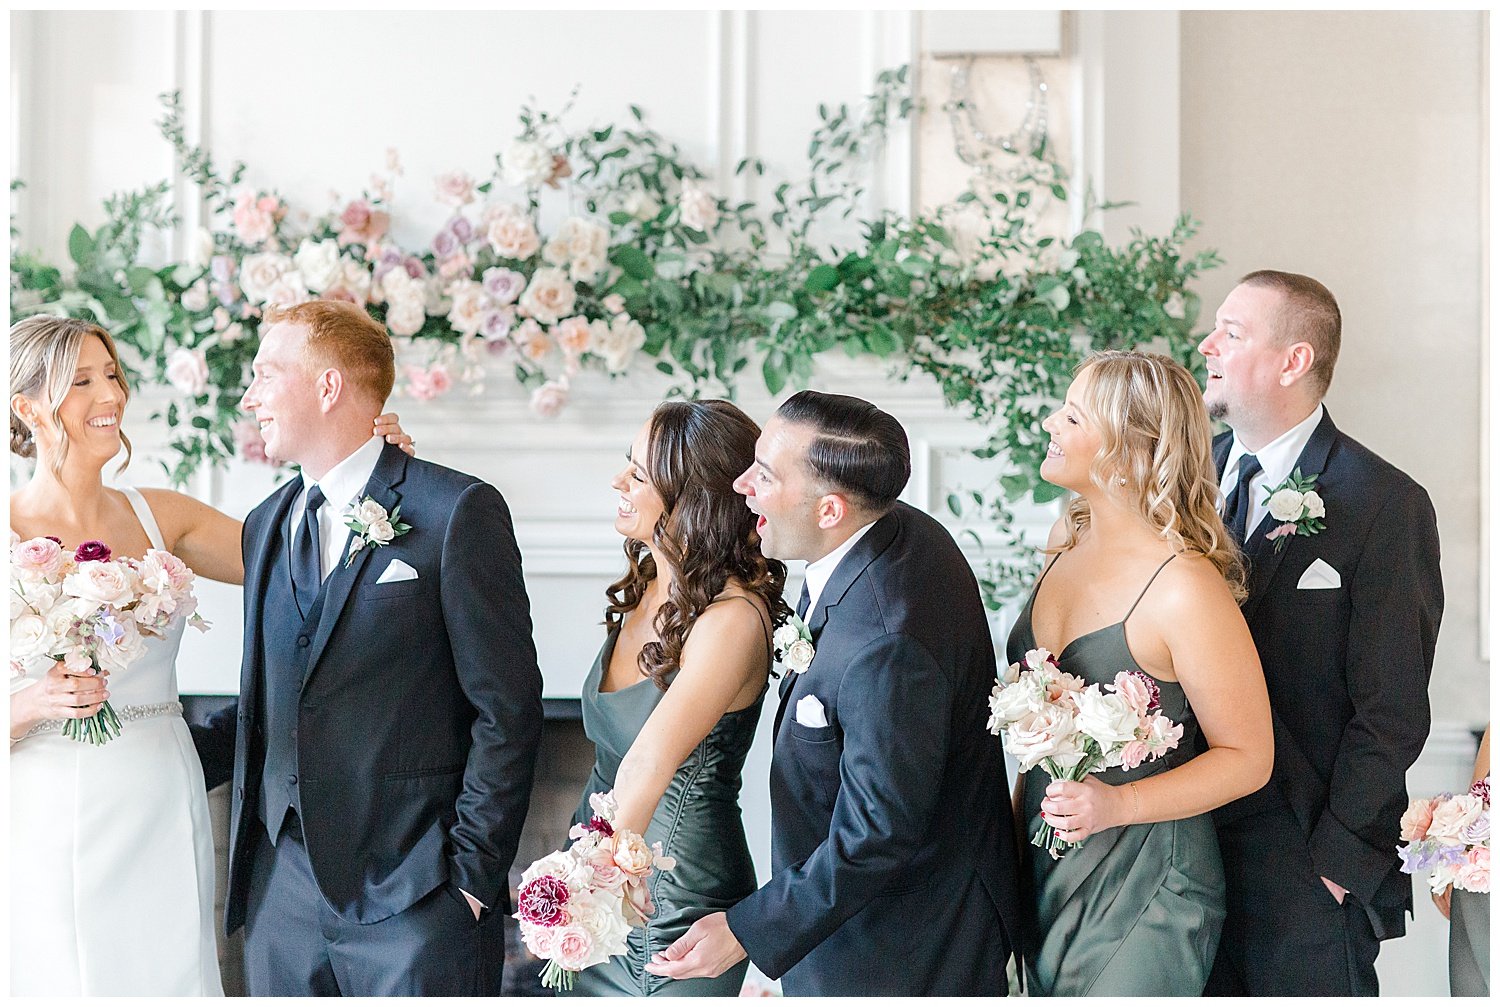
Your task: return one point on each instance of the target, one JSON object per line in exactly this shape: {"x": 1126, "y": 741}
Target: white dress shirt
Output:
{"x": 1277, "y": 459}
{"x": 819, "y": 570}
{"x": 341, "y": 486}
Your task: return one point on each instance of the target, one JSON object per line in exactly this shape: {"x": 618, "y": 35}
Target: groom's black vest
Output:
{"x": 285, "y": 645}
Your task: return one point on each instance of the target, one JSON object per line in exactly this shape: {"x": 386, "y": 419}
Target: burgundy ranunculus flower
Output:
{"x": 541, "y": 901}
{"x": 53, "y": 538}
{"x": 92, "y": 551}
{"x": 597, "y": 824}
{"x": 1481, "y": 790}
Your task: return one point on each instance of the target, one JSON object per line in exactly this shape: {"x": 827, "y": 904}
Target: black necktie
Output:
{"x": 802, "y": 602}
{"x": 1237, "y": 507}
{"x": 307, "y": 554}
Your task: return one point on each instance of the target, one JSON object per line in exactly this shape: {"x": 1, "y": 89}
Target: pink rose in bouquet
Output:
{"x": 1474, "y": 872}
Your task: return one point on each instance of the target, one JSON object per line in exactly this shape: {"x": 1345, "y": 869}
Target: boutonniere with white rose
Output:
{"x": 1296, "y": 505}
{"x": 372, "y": 526}
{"x": 792, "y": 645}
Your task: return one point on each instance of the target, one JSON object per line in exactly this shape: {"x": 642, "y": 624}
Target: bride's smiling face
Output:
{"x": 92, "y": 409}
{"x": 640, "y": 506}
{"x": 1074, "y": 442}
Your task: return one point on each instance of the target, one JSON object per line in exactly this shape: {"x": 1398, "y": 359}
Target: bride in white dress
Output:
{"x": 112, "y": 859}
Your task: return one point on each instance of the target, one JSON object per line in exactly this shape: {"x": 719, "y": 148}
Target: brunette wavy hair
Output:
{"x": 1157, "y": 450}
{"x": 695, "y": 451}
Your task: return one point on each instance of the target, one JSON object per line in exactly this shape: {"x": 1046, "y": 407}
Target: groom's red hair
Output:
{"x": 344, "y": 336}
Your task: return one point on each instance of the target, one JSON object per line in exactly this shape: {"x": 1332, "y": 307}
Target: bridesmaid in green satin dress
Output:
{"x": 1143, "y": 577}
{"x": 673, "y": 699}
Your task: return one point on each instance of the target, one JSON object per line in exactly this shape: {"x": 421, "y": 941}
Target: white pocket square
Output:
{"x": 810, "y": 712}
{"x": 397, "y": 571}
{"x": 1319, "y": 576}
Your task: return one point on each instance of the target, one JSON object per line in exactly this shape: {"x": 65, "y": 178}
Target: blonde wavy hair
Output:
{"x": 44, "y": 353}
{"x": 1156, "y": 452}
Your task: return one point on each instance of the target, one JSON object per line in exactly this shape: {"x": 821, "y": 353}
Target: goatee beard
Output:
{"x": 1218, "y": 410}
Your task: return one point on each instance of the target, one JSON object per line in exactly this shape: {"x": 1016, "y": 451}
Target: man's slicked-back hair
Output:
{"x": 857, "y": 449}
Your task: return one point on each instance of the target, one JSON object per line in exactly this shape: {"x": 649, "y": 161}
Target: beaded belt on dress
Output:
{"x": 124, "y": 713}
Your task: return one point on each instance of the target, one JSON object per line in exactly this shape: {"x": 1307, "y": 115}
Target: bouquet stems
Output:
{"x": 96, "y": 730}
{"x": 555, "y": 977}
{"x": 1046, "y": 837}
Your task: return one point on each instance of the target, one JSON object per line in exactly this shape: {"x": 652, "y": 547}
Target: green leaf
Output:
{"x": 620, "y": 218}
{"x": 916, "y": 266}
{"x": 80, "y": 245}
{"x": 881, "y": 341}
{"x": 774, "y": 370}
{"x": 201, "y": 422}
{"x": 634, "y": 261}
{"x": 780, "y": 311}
{"x": 822, "y": 278}
{"x": 1045, "y": 492}
{"x": 955, "y": 505}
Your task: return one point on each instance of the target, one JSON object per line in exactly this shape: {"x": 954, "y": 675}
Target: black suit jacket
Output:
{"x": 893, "y": 851}
{"x": 420, "y": 714}
{"x": 1347, "y": 668}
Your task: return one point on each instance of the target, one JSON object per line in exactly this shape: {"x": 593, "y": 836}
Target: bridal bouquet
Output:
{"x": 577, "y": 906}
{"x": 92, "y": 612}
{"x": 1450, "y": 836}
{"x": 1051, "y": 719}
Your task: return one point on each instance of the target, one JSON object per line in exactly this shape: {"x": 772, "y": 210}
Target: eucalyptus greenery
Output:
{"x": 975, "y": 294}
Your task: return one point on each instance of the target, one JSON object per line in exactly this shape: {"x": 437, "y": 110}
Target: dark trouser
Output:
{"x": 1285, "y": 934}
{"x": 296, "y": 946}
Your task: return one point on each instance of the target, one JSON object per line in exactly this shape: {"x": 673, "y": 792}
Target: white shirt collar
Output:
{"x": 819, "y": 571}
{"x": 342, "y": 483}
{"x": 1278, "y": 457}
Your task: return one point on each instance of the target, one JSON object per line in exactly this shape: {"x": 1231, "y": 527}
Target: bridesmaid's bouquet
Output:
{"x": 1449, "y": 836}
{"x": 578, "y": 906}
{"x": 1052, "y": 720}
{"x": 92, "y": 613}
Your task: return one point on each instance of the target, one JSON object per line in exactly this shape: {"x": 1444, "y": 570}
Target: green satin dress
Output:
{"x": 1135, "y": 910}
{"x": 697, "y": 822}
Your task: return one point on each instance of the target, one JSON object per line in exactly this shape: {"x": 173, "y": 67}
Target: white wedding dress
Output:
{"x": 111, "y": 854}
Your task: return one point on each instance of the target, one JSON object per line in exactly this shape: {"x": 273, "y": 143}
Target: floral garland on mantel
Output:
{"x": 659, "y": 271}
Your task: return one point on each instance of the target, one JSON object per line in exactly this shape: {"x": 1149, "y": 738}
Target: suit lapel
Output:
{"x": 389, "y": 471}
{"x": 1261, "y": 554}
{"x": 844, "y": 575}
{"x": 1222, "y": 444}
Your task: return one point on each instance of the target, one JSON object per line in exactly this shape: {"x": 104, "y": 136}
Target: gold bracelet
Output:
{"x": 1135, "y": 793}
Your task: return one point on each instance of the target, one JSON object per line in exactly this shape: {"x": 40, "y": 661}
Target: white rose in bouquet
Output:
{"x": 318, "y": 262}
{"x": 1048, "y": 733}
{"x": 1313, "y": 503}
{"x": 618, "y": 341}
{"x": 1450, "y": 818}
{"x": 1286, "y": 505}
{"x": 641, "y": 206}
{"x": 104, "y": 583}
{"x": 1106, "y": 718}
{"x": 599, "y": 914}
{"x": 526, "y": 163}
{"x": 1009, "y": 703}
{"x": 31, "y": 637}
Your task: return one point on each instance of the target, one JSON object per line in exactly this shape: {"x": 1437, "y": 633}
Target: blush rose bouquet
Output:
{"x": 577, "y": 906}
{"x": 92, "y": 613}
{"x": 1450, "y": 836}
{"x": 1053, "y": 721}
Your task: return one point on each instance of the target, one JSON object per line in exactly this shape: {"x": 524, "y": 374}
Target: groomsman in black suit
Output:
{"x": 894, "y": 866}
{"x": 390, "y": 704}
{"x": 1346, "y": 620}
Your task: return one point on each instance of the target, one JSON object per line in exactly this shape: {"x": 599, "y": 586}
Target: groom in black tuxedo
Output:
{"x": 894, "y": 866}
{"x": 390, "y": 703}
{"x": 1345, "y": 621}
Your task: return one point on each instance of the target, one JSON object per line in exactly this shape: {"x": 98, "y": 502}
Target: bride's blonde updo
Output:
{"x": 1156, "y": 453}
{"x": 44, "y": 353}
